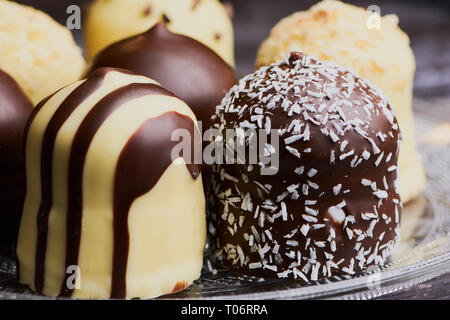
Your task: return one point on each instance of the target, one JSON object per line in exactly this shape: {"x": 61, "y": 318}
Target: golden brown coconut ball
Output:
{"x": 36, "y": 51}
{"x": 332, "y": 30}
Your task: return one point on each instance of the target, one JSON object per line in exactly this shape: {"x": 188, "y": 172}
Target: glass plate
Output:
{"x": 422, "y": 254}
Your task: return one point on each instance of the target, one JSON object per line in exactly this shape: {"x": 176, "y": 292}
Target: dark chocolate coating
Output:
{"x": 15, "y": 107}
{"x": 337, "y": 134}
{"x": 181, "y": 64}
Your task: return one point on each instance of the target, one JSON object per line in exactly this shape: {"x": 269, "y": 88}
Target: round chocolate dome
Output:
{"x": 181, "y": 64}
{"x": 15, "y": 107}
{"x": 332, "y": 205}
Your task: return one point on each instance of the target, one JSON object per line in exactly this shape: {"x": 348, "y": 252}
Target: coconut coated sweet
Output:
{"x": 373, "y": 46}
{"x": 39, "y": 53}
{"x": 332, "y": 207}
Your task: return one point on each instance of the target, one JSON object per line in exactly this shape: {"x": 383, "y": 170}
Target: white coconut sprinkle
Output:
{"x": 366, "y": 155}
{"x": 337, "y": 188}
{"x": 345, "y": 155}
{"x": 293, "y": 151}
{"x": 312, "y": 172}
{"x": 337, "y": 214}
{"x": 299, "y": 170}
{"x": 304, "y": 229}
{"x": 310, "y": 211}
{"x": 382, "y": 194}
{"x": 255, "y": 265}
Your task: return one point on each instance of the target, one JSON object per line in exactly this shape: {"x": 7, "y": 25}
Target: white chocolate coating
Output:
{"x": 206, "y": 21}
{"x": 166, "y": 225}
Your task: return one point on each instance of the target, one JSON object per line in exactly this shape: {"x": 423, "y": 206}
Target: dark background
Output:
{"x": 426, "y": 22}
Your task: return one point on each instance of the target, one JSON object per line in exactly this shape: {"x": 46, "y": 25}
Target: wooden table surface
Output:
{"x": 426, "y": 22}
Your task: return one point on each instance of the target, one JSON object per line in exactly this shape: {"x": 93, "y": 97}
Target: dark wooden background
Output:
{"x": 426, "y": 22}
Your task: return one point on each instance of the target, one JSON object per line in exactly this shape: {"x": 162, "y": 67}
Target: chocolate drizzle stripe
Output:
{"x": 24, "y": 147}
{"x": 80, "y": 146}
{"x": 135, "y": 176}
{"x": 70, "y": 103}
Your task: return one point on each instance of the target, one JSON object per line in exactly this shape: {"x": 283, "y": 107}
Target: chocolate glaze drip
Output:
{"x": 82, "y": 140}
{"x": 24, "y": 144}
{"x": 15, "y": 107}
{"x": 72, "y": 101}
{"x": 136, "y": 176}
{"x": 183, "y": 65}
